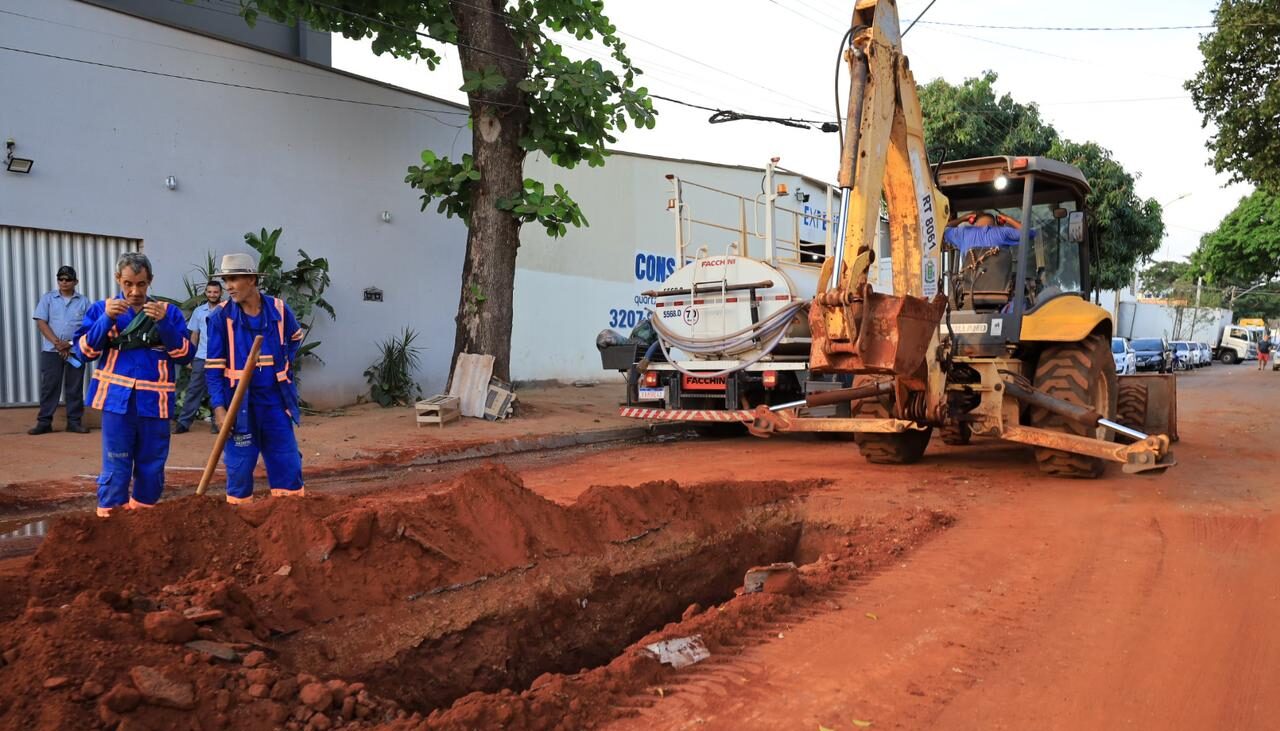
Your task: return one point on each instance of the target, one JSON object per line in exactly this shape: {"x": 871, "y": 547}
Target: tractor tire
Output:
{"x": 1131, "y": 405}
{"x": 1081, "y": 374}
{"x": 903, "y": 448}
{"x": 956, "y": 434}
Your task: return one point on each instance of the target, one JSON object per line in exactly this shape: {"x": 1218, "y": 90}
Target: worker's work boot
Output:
{"x": 279, "y": 492}
{"x": 40, "y": 429}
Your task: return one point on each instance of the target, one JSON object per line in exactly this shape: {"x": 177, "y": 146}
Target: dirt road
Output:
{"x": 1127, "y": 602}
{"x": 963, "y": 592}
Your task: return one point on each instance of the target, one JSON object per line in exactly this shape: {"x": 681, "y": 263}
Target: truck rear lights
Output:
{"x": 770, "y": 379}
{"x": 651, "y": 379}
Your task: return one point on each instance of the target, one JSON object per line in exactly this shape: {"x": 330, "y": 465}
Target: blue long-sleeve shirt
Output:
{"x": 965, "y": 238}
{"x": 145, "y": 374}
{"x": 230, "y": 337}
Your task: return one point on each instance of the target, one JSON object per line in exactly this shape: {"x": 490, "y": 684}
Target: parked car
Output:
{"x": 1126, "y": 361}
{"x": 1183, "y": 355}
{"x": 1153, "y": 354}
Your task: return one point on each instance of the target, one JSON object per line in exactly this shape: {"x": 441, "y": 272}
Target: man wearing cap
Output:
{"x": 264, "y": 424}
{"x": 58, "y": 315}
{"x": 138, "y": 342}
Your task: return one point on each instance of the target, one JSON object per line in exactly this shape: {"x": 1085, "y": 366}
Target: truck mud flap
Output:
{"x": 1148, "y": 402}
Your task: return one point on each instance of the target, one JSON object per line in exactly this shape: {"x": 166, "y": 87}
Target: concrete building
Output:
{"x": 167, "y": 127}
{"x": 148, "y": 136}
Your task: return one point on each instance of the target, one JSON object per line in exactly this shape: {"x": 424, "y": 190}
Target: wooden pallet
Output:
{"x": 438, "y": 410}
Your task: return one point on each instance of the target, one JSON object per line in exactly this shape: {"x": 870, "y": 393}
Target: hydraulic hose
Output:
{"x": 768, "y": 333}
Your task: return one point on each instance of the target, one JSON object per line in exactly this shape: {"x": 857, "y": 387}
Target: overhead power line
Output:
{"x": 1076, "y": 28}
{"x": 728, "y": 115}
{"x": 918, "y": 17}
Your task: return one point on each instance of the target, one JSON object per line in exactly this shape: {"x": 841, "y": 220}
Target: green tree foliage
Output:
{"x": 1264, "y": 304}
{"x": 301, "y": 286}
{"x": 1238, "y": 93}
{"x": 1162, "y": 278}
{"x": 1127, "y": 229}
{"x": 972, "y": 120}
{"x": 525, "y": 96}
{"x": 1245, "y": 248}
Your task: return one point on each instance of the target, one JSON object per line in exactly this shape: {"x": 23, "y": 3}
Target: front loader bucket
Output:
{"x": 892, "y": 335}
{"x": 1148, "y": 402}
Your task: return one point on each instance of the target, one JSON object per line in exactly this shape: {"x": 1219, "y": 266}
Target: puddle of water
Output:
{"x": 18, "y": 538}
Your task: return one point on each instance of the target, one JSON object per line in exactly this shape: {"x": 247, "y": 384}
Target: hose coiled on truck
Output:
{"x": 768, "y": 332}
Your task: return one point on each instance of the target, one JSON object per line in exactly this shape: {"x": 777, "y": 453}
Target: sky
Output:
{"x": 1122, "y": 89}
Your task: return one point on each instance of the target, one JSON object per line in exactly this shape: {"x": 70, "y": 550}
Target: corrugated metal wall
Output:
{"x": 29, "y": 261}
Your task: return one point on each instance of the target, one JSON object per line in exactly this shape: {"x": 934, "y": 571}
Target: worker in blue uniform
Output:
{"x": 138, "y": 342}
{"x": 267, "y": 415}
{"x": 985, "y": 231}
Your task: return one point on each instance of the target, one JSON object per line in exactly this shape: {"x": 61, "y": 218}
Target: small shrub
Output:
{"x": 391, "y": 376}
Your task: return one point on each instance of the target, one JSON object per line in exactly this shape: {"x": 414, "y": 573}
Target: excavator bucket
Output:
{"x": 892, "y": 335}
{"x": 1148, "y": 402}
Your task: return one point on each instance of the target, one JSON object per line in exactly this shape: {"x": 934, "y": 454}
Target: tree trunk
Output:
{"x": 493, "y": 236}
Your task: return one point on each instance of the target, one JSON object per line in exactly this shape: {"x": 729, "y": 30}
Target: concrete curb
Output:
{"x": 73, "y": 494}
{"x": 518, "y": 445}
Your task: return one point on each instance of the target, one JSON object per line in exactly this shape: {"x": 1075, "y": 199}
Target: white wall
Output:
{"x": 104, "y": 140}
{"x": 1150, "y": 320}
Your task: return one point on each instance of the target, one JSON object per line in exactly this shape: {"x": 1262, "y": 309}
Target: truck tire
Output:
{"x": 1229, "y": 357}
{"x": 1079, "y": 373}
{"x": 903, "y": 448}
{"x": 1131, "y": 405}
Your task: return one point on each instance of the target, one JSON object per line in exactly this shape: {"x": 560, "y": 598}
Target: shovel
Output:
{"x": 229, "y": 422}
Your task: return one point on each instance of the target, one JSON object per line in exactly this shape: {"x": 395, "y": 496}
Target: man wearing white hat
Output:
{"x": 264, "y": 424}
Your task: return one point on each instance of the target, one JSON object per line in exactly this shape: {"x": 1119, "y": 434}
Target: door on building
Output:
{"x": 29, "y": 261}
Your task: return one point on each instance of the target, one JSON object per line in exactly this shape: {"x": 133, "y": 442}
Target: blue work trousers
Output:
{"x": 269, "y": 433}
{"x": 196, "y": 391}
{"x": 134, "y": 448}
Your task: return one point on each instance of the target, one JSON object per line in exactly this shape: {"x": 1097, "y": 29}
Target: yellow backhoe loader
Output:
{"x": 988, "y": 331}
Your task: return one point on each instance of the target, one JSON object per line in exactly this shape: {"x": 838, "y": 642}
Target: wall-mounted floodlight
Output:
{"x": 15, "y": 164}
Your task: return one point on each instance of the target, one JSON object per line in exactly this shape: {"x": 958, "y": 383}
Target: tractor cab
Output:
{"x": 1017, "y": 241}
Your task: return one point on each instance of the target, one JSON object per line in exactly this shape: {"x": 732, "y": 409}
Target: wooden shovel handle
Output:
{"x": 229, "y": 422}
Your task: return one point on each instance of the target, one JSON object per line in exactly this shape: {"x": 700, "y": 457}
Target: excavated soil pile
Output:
{"x": 462, "y": 609}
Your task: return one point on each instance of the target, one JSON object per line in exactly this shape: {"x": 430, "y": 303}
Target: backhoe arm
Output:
{"x": 883, "y": 155}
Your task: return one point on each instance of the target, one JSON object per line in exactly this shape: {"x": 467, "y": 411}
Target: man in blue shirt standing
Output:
{"x": 58, "y": 315}
{"x": 264, "y": 424}
{"x": 196, "y": 386}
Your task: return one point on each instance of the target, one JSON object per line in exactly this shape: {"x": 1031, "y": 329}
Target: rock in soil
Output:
{"x": 159, "y": 689}
{"x": 316, "y": 696}
{"x": 169, "y": 627}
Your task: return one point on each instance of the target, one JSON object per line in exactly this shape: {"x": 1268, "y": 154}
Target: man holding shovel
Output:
{"x": 266, "y": 417}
